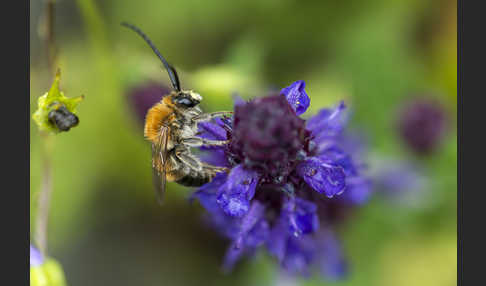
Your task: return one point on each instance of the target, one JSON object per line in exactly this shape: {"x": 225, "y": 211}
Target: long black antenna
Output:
{"x": 174, "y": 79}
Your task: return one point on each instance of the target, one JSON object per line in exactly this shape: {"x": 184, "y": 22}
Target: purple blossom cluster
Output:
{"x": 290, "y": 181}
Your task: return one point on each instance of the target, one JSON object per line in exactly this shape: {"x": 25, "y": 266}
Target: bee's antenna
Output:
{"x": 174, "y": 78}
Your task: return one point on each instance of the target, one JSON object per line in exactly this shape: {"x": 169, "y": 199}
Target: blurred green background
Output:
{"x": 105, "y": 226}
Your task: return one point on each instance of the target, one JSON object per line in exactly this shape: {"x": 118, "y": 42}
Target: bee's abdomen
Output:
{"x": 195, "y": 178}
{"x": 193, "y": 181}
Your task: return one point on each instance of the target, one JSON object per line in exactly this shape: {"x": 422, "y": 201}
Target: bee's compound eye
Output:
{"x": 186, "y": 102}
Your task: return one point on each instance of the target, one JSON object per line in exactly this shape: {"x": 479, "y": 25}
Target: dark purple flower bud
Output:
{"x": 35, "y": 257}
{"x": 323, "y": 177}
{"x": 422, "y": 124}
{"x": 296, "y": 96}
{"x": 142, "y": 97}
{"x": 267, "y": 136}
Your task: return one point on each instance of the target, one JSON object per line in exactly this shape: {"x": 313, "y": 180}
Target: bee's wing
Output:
{"x": 159, "y": 158}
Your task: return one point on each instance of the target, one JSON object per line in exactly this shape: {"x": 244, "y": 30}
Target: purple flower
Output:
{"x": 36, "y": 258}
{"x": 297, "y": 97}
{"x": 422, "y": 124}
{"x": 287, "y": 178}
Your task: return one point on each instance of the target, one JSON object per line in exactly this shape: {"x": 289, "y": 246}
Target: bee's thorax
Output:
{"x": 156, "y": 116}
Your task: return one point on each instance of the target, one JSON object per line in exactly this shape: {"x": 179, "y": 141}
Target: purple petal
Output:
{"x": 335, "y": 155}
{"x": 328, "y": 123}
{"x": 35, "y": 257}
{"x": 332, "y": 264}
{"x": 233, "y": 254}
{"x": 301, "y": 216}
{"x": 358, "y": 190}
{"x": 258, "y": 234}
{"x": 254, "y": 230}
{"x": 215, "y": 157}
{"x": 299, "y": 255}
{"x": 235, "y": 194}
{"x": 296, "y": 96}
{"x": 236, "y": 205}
{"x": 255, "y": 214}
{"x": 207, "y": 194}
{"x": 322, "y": 177}
{"x": 213, "y": 131}
{"x": 307, "y": 219}
{"x": 277, "y": 240}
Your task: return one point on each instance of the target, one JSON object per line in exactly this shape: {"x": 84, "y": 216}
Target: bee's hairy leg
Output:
{"x": 208, "y": 116}
{"x": 187, "y": 158}
{"x": 216, "y": 169}
{"x": 198, "y": 142}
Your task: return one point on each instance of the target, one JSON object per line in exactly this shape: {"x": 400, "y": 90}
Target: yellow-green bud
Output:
{"x": 54, "y": 100}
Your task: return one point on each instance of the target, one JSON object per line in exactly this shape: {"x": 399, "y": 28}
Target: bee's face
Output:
{"x": 186, "y": 99}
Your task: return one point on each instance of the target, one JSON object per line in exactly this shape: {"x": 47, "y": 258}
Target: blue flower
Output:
{"x": 289, "y": 181}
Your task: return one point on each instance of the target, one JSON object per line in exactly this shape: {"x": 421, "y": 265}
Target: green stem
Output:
{"x": 42, "y": 217}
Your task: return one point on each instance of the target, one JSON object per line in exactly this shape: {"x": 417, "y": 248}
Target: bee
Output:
{"x": 171, "y": 125}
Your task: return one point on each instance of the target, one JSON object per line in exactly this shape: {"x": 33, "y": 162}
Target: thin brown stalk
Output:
{"x": 42, "y": 217}
{"x": 49, "y": 37}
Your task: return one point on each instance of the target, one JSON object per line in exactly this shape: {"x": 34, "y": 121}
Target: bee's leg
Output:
{"x": 187, "y": 158}
{"x": 208, "y": 116}
{"x": 198, "y": 142}
{"x": 216, "y": 169}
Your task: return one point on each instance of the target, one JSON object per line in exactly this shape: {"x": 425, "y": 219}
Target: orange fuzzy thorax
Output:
{"x": 156, "y": 116}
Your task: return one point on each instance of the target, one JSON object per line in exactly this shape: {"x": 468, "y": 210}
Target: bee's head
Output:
{"x": 186, "y": 99}
{"x": 182, "y": 99}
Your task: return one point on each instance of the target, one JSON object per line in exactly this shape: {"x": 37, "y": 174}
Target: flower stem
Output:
{"x": 50, "y": 39}
{"x": 45, "y": 195}
{"x": 42, "y": 216}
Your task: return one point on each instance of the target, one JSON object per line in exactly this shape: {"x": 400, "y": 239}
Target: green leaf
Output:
{"x": 53, "y": 100}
